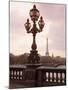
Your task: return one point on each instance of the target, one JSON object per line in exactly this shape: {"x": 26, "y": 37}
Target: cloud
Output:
{"x": 54, "y": 17}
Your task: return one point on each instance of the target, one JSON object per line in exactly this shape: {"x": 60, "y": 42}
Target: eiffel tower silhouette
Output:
{"x": 47, "y": 51}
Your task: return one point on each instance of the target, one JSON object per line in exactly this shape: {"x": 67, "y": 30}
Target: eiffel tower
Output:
{"x": 47, "y": 52}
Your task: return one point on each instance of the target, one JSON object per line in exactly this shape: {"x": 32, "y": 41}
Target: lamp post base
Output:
{"x": 33, "y": 66}
{"x": 33, "y": 58}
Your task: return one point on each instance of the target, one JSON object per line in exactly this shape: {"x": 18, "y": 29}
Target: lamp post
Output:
{"x": 34, "y": 14}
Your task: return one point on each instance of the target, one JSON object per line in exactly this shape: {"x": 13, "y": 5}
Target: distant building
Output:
{"x": 26, "y": 54}
{"x": 52, "y": 56}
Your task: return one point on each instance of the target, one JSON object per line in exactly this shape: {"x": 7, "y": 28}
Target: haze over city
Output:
{"x": 54, "y": 29}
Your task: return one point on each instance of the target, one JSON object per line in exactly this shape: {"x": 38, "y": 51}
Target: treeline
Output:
{"x": 56, "y": 61}
{"x": 23, "y": 59}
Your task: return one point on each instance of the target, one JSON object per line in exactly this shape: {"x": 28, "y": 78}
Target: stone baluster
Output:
{"x": 52, "y": 76}
{"x": 61, "y": 77}
{"x": 48, "y": 76}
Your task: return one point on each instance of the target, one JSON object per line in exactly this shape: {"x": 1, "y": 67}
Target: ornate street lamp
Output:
{"x": 34, "y": 14}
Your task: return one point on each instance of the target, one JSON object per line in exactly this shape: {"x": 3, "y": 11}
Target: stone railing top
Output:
{"x": 46, "y": 67}
{"x": 17, "y": 66}
{"x": 39, "y": 67}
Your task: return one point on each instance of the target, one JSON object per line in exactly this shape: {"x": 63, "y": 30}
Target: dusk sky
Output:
{"x": 54, "y": 29}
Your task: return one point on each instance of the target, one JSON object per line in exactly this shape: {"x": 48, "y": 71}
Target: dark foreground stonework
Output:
{"x": 36, "y": 76}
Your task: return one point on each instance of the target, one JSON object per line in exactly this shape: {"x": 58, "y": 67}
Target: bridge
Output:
{"x": 21, "y": 76}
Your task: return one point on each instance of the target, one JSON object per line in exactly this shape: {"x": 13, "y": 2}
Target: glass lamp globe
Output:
{"x": 34, "y": 14}
{"x": 27, "y": 25}
{"x": 41, "y": 23}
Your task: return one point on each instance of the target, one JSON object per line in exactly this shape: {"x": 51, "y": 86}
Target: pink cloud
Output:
{"x": 54, "y": 13}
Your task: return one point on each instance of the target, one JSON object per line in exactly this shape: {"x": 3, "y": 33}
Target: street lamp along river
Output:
{"x": 34, "y": 58}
